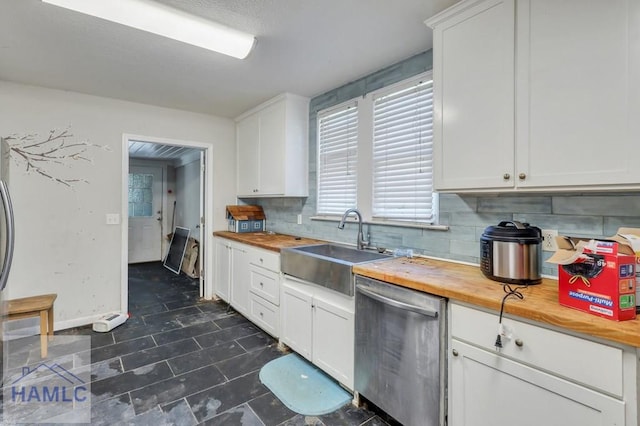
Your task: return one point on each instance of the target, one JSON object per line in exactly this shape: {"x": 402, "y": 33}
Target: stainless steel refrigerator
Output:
{"x": 6, "y": 237}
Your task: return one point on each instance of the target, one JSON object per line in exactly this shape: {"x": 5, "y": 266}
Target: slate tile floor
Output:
{"x": 182, "y": 361}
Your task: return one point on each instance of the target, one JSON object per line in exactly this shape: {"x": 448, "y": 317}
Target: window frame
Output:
{"x": 344, "y": 106}
{"x": 364, "y": 185}
{"x": 404, "y": 85}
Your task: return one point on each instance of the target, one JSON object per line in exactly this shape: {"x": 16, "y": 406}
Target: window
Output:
{"x": 376, "y": 155}
{"x": 140, "y": 194}
{"x": 337, "y": 159}
{"x": 402, "y": 153}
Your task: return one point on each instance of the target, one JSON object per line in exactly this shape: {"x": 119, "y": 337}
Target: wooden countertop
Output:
{"x": 467, "y": 284}
{"x": 273, "y": 242}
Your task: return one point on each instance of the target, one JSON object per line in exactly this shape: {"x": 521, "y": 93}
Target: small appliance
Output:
{"x": 510, "y": 252}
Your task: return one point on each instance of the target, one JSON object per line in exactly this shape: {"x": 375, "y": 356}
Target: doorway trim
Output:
{"x": 207, "y": 244}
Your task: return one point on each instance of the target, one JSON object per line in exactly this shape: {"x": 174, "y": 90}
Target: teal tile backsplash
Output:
{"x": 589, "y": 215}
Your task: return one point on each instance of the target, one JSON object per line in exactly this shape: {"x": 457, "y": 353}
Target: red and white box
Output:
{"x": 599, "y": 276}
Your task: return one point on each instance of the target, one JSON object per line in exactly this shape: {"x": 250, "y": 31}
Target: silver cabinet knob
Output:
{"x": 522, "y": 176}
{"x": 506, "y": 176}
{"x": 454, "y": 352}
{"x": 519, "y": 343}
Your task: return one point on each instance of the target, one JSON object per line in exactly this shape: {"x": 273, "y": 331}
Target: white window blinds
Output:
{"x": 402, "y": 154}
{"x": 337, "y": 159}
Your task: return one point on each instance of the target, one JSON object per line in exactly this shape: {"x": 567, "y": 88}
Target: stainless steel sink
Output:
{"x": 328, "y": 265}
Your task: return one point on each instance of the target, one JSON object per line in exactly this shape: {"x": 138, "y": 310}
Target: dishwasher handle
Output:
{"x": 396, "y": 303}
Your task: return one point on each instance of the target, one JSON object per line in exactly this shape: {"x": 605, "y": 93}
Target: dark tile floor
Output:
{"x": 182, "y": 361}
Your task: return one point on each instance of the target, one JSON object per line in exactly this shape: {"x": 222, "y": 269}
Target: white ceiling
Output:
{"x": 303, "y": 46}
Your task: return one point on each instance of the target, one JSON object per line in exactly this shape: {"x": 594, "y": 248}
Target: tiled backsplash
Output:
{"x": 467, "y": 216}
{"x": 590, "y": 215}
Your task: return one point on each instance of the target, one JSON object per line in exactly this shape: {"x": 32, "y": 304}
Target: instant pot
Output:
{"x": 511, "y": 252}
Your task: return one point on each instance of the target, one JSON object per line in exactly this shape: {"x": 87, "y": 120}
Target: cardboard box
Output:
{"x": 599, "y": 276}
{"x": 245, "y": 219}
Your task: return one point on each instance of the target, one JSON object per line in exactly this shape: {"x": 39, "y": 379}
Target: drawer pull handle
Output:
{"x": 454, "y": 352}
{"x": 261, "y": 260}
{"x": 519, "y": 343}
{"x": 506, "y": 176}
{"x": 261, "y": 284}
{"x": 261, "y": 314}
{"x": 522, "y": 176}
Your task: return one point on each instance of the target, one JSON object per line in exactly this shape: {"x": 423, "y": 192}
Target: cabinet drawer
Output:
{"x": 264, "y": 314}
{"x": 264, "y": 258}
{"x": 265, "y": 284}
{"x": 590, "y": 363}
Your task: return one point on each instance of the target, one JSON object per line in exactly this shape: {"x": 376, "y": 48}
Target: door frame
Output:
{"x": 206, "y": 244}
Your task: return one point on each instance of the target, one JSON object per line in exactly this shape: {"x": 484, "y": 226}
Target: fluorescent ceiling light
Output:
{"x": 166, "y": 21}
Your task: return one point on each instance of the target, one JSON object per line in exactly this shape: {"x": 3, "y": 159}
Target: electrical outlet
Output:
{"x": 549, "y": 239}
{"x": 113, "y": 219}
{"x": 299, "y": 219}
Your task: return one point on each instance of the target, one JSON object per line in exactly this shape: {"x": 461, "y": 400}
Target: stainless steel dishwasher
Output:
{"x": 399, "y": 351}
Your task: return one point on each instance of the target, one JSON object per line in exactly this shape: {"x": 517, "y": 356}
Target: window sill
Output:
{"x": 399, "y": 224}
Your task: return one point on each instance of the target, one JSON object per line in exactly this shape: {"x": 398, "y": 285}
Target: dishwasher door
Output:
{"x": 399, "y": 351}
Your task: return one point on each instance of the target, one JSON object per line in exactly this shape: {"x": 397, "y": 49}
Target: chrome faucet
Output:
{"x": 362, "y": 243}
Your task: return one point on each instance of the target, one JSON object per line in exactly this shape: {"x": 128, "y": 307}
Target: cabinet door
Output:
{"x": 333, "y": 340}
{"x": 248, "y": 137}
{"x": 578, "y": 92}
{"x": 488, "y": 389}
{"x": 296, "y": 319}
{"x": 240, "y": 279}
{"x": 474, "y": 96}
{"x": 222, "y": 268}
{"x": 272, "y": 149}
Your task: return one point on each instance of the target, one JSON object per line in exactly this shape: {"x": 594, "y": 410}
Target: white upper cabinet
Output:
{"x": 474, "y": 96}
{"x": 578, "y": 86}
{"x": 536, "y": 95}
{"x": 273, "y": 141}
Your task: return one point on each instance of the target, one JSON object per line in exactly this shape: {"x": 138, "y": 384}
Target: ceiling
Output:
{"x": 305, "y": 47}
{"x": 155, "y": 151}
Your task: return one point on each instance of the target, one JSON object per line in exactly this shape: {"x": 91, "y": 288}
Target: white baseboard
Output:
{"x": 31, "y": 326}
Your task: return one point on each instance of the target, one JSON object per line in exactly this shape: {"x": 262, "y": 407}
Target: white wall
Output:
{"x": 63, "y": 245}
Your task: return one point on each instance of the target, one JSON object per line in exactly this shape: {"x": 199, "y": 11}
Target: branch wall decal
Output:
{"x": 36, "y": 154}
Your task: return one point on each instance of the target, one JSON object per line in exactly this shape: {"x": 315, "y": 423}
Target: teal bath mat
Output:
{"x": 302, "y": 387}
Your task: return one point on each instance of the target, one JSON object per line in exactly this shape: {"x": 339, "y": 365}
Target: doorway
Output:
{"x": 165, "y": 174}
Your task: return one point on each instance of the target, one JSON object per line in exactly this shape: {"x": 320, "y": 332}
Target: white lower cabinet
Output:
{"x": 264, "y": 290}
{"x": 249, "y": 279}
{"x": 319, "y": 325}
{"x": 539, "y": 377}
{"x": 222, "y": 261}
{"x": 240, "y": 278}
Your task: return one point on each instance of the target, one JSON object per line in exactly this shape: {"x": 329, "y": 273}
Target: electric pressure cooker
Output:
{"x": 510, "y": 252}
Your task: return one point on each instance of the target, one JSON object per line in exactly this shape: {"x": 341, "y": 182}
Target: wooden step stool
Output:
{"x": 34, "y": 306}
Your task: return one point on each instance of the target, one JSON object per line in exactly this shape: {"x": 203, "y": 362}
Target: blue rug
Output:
{"x": 302, "y": 387}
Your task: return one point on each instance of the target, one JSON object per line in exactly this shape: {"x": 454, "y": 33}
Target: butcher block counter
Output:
{"x": 466, "y": 283}
{"x": 266, "y": 240}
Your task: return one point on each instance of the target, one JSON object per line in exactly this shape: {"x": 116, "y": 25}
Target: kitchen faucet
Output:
{"x": 361, "y": 241}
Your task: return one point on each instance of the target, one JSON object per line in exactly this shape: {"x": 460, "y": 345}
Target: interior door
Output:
{"x": 145, "y": 214}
